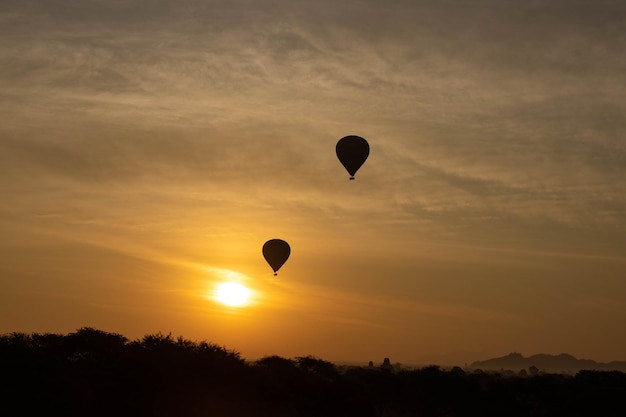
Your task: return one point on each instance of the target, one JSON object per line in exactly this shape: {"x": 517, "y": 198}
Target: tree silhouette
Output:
{"x": 95, "y": 373}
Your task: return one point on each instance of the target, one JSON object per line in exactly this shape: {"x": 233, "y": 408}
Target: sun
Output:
{"x": 232, "y": 294}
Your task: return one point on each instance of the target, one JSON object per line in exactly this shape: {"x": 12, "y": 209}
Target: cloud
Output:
{"x": 475, "y": 110}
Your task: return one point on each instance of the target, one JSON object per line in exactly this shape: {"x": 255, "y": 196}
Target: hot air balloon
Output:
{"x": 276, "y": 252}
{"x": 352, "y": 152}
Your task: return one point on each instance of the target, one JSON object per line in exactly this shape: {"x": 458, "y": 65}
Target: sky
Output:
{"x": 148, "y": 149}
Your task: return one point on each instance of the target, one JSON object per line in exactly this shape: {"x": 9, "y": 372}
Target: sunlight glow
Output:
{"x": 232, "y": 294}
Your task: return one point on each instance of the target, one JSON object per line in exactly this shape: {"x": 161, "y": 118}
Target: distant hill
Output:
{"x": 562, "y": 363}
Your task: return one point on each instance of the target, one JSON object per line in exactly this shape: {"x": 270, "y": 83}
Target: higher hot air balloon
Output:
{"x": 352, "y": 152}
{"x": 276, "y": 252}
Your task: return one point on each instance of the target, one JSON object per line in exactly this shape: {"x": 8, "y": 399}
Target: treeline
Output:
{"x": 95, "y": 373}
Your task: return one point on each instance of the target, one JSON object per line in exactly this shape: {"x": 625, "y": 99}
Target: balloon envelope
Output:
{"x": 276, "y": 252}
{"x": 352, "y": 152}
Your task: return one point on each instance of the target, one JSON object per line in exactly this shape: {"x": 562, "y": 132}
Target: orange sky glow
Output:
{"x": 147, "y": 153}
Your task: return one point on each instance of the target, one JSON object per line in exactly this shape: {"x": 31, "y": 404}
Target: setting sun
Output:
{"x": 232, "y": 294}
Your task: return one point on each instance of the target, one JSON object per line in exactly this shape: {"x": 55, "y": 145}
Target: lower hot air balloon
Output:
{"x": 276, "y": 252}
{"x": 352, "y": 152}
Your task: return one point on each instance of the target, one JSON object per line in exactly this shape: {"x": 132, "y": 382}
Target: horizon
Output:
{"x": 149, "y": 151}
{"x": 85, "y": 340}
{"x": 339, "y": 362}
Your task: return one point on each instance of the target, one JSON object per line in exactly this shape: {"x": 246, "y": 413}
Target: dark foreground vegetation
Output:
{"x": 94, "y": 373}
